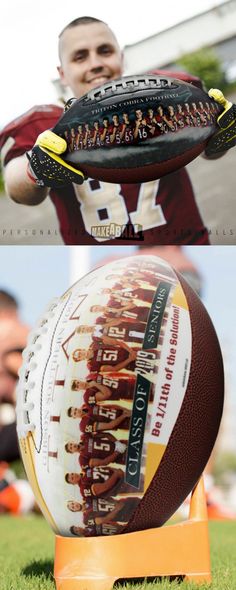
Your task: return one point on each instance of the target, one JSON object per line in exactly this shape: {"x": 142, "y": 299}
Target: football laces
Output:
{"x": 29, "y": 366}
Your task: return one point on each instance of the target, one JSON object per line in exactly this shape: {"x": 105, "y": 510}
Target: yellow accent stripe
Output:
{"x": 230, "y": 139}
{"x": 179, "y": 298}
{"x": 225, "y": 111}
{"x": 62, "y": 162}
{"x": 27, "y": 452}
{"x": 223, "y": 129}
{"x": 155, "y": 453}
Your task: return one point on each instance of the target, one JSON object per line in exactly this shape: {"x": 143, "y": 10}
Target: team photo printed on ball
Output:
{"x": 112, "y": 386}
{"x": 136, "y": 129}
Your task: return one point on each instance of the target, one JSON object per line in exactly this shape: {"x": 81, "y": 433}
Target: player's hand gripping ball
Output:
{"x": 46, "y": 165}
{"x": 119, "y": 399}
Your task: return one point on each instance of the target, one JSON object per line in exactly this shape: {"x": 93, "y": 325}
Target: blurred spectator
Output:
{"x": 16, "y": 496}
{"x": 13, "y": 336}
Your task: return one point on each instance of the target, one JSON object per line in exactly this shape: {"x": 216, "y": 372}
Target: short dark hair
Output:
{"x": 82, "y": 20}
{"x": 72, "y": 530}
{"x": 7, "y": 300}
{"x": 67, "y": 448}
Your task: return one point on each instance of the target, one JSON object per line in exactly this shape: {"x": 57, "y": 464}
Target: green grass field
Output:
{"x": 27, "y": 551}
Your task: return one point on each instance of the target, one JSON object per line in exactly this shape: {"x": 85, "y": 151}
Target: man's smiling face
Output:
{"x": 90, "y": 56}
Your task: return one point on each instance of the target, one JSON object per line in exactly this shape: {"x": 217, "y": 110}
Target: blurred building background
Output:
{"x": 214, "y": 28}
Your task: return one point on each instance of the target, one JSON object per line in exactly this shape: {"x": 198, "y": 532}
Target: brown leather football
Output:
{"x": 138, "y": 128}
{"x": 196, "y": 428}
{"x": 120, "y": 399}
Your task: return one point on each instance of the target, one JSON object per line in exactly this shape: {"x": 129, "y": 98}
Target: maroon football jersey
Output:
{"x": 105, "y": 354}
{"x": 95, "y": 414}
{"x": 96, "y": 446}
{"x": 114, "y": 132}
{"x": 120, "y": 388}
{"x": 141, "y": 131}
{"x": 91, "y": 476}
{"x": 127, "y": 133}
{"x": 104, "y": 133}
{"x": 165, "y": 208}
{"x": 87, "y": 425}
{"x": 102, "y": 506}
{"x": 95, "y": 138}
{"x": 180, "y": 119}
{"x": 89, "y": 395}
{"x": 96, "y": 530}
{"x": 99, "y": 447}
{"x": 126, "y": 331}
{"x": 87, "y": 142}
{"x": 85, "y": 461}
{"x": 152, "y": 129}
{"x": 79, "y": 140}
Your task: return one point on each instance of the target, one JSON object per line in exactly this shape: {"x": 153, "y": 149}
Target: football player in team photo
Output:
{"x": 103, "y": 387}
{"x": 97, "y": 418}
{"x": 98, "y": 449}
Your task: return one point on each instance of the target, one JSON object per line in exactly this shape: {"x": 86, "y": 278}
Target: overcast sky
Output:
{"x": 29, "y": 32}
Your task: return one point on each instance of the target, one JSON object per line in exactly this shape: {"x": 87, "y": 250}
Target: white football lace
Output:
{"x": 29, "y": 355}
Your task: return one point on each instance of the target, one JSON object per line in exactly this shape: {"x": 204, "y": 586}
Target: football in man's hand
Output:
{"x": 137, "y": 128}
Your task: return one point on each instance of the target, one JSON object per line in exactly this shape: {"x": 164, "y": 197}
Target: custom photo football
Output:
{"x": 114, "y": 382}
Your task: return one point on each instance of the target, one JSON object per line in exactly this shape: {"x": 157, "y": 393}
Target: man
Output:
{"x": 101, "y": 482}
{"x": 102, "y": 387}
{"x": 104, "y": 356}
{"x": 106, "y": 509}
{"x": 100, "y": 449}
{"x": 113, "y": 316}
{"x": 96, "y": 481}
{"x": 128, "y": 289}
{"x": 94, "y": 419}
{"x": 111, "y": 528}
{"x": 115, "y": 130}
{"x": 140, "y": 130}
{"x": 90, "y": 56}
{"x": 103, "y": 510}
{"x": 117, "y": 329}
